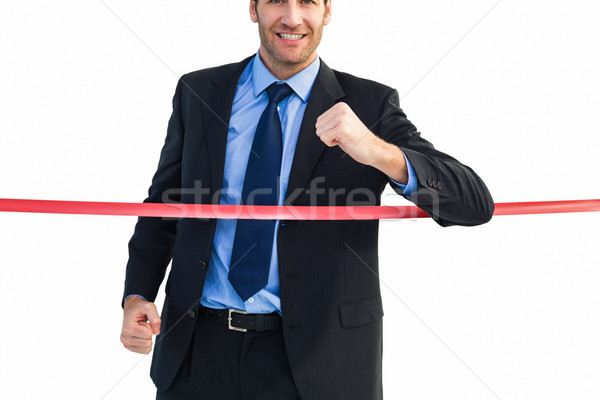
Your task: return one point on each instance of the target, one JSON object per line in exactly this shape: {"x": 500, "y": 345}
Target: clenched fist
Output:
{"x": 140, "y": 322}
{"x": 339, "y": 126}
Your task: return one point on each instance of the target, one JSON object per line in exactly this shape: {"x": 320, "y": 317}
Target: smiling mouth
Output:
{"x": 288, "y": 36}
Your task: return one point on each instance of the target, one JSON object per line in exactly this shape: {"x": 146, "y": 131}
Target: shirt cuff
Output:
{"x": 411, "y": 185}
{"x": 138, "y": 295}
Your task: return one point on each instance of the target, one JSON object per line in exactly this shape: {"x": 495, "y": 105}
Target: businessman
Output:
{"x": 259, "y": 309}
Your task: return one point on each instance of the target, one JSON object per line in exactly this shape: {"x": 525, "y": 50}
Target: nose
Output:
{"x": 292, "y": 15}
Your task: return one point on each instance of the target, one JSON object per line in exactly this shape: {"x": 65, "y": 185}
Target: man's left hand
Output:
{"x": 339, "y": 126}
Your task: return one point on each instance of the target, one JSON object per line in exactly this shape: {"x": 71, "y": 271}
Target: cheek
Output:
{"x": 268, "y": 18}
{"x": 316, "y": 22}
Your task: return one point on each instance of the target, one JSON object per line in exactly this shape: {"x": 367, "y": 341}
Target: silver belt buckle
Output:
{"x": 234, "y": 328}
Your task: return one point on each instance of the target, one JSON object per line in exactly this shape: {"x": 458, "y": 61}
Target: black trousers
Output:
{"x": 228, "y": 365}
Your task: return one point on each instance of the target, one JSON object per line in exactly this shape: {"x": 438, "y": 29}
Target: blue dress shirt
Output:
{"x": 248, "y": 104}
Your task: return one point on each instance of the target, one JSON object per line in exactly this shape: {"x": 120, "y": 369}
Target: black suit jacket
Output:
{"x": 330, "y": 293}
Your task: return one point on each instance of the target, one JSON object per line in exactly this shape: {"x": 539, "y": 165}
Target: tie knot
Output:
{"x": 278, "y": 92}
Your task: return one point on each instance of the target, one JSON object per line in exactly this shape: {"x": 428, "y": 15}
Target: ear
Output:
{"x": 253, "y": 15}
{"x": 327, "y": 17}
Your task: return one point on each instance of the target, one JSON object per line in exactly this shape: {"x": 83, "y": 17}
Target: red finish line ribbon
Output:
{"x": 175, "y": 210}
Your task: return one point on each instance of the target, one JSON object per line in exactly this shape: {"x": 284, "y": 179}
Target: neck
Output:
{"x": 283, "y": 71}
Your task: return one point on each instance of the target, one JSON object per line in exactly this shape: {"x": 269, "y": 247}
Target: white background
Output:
{"x": 504, "y": 311}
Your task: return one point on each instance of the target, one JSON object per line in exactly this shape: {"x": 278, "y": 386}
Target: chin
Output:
{"x": 292, "y": 59}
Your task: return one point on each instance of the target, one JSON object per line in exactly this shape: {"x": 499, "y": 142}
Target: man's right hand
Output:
{"x": 140, "y": 322}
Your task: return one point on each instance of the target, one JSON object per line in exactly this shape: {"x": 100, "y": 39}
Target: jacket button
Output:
{"x": 439, "y": 185}
{"x": 202, "y": 265}
{"x": 429, "y": 182}
{"x": 192, "y": 314}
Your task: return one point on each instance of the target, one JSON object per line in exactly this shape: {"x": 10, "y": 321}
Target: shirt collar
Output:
{"x": 301, "y": 83}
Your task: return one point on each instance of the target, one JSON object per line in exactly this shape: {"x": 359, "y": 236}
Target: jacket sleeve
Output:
{"x": 151, "y": 246}
{"x": 450, "y": 192}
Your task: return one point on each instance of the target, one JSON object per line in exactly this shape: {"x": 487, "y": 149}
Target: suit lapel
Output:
{"x": 325, "y": 92}
{"x": 217, "y": 113}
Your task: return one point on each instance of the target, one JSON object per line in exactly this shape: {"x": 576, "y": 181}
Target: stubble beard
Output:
{"x": 286, "y": 63}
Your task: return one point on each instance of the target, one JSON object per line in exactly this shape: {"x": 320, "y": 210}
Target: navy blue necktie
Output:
{"x": 253, "y": 242}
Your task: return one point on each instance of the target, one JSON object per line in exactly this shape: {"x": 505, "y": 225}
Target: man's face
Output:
{"x": 290, "y": 32}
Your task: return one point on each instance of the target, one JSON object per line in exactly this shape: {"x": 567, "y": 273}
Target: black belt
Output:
{"x": 241, "y": 321}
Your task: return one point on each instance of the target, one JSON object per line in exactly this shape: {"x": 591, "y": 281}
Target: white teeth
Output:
{"x": 287, "y": 36}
